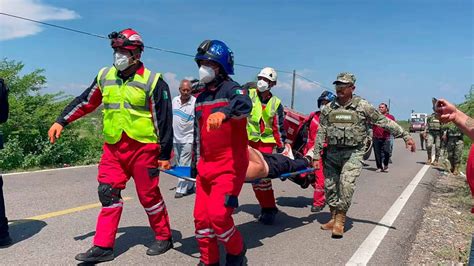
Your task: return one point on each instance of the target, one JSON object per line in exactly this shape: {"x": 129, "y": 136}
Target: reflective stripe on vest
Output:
{"x": 126, "y": 105}
{"x": 257, "y": 114}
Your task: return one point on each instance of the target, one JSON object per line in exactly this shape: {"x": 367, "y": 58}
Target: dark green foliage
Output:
{"x": 31, "y": 115}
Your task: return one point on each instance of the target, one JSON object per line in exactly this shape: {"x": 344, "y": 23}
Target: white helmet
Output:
{"x": 268, "y": 73}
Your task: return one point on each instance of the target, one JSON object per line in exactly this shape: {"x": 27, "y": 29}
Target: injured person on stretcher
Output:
{"x": 264, "y": 165}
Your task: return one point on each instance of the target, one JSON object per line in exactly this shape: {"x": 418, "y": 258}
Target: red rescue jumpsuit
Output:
{"x": 221, "y": 168}
{"x": 470, "y": 173}
{"x": 129, "y": 157}
{"x": 318, "y": 185}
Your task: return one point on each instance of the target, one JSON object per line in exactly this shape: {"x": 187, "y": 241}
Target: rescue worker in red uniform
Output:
{"x": 138, "y": 135}
{"x": 220, "y": 142}
{"x": 319, "y": 199}
{"x": 266, "y": 132}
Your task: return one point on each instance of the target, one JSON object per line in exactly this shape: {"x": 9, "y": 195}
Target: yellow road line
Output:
{"x": 64, "y": 212}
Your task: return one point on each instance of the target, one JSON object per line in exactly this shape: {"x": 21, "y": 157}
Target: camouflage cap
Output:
{"x": 345, "y": 77}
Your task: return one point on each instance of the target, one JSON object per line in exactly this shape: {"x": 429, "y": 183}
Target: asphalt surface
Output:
{"x": 43, "y": 235}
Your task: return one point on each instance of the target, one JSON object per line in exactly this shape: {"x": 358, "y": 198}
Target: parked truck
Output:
{"x": 417, "y": 121}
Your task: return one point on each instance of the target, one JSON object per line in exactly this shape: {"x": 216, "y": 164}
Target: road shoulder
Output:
{"x": 445, "y": 233}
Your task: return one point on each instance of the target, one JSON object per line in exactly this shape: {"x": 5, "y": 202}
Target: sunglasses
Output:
{"x": 343, "y": 86}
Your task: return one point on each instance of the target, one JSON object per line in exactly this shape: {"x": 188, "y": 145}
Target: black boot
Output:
{"x": 204, "y": 264}
{"x": 317, "y": 208}
{"x": 96, "y": 254}
{"x": 267, "y": 215}
{"x": 160, "y": 247}
{"x": 303, "y": 182}
{"x": 5, "y": 241}
{"x": 236, "y": 260}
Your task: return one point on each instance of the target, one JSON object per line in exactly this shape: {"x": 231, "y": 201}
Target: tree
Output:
{"x": 31, "y": 115}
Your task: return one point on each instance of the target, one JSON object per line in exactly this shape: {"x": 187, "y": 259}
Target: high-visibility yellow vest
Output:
{"x": 257, "y": 114}
{"x": 126, "y": 105}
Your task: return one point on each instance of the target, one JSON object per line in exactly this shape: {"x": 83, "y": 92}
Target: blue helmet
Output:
{"x": 326, "y": 96}
{"x": 218, "y": 52}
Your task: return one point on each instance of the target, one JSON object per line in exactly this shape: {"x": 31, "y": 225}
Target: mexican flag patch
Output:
{"x": 240, "y": 92}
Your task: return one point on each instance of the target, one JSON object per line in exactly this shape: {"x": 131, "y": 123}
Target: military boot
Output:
{"x": 329, "y": 225}
{"x": 435, "y": 162}
{"x": 338, "y": 229}
{"x": 96, "y": 254}
{"x": 428, "y": 162}
{"x": 456, "y": 169}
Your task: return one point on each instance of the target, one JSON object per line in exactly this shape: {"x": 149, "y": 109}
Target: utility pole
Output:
{"x": 388, "y": 103}
{"x": 293, "y": 89}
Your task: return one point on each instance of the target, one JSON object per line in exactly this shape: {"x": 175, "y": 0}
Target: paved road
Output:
{"x": 45, "y": 235}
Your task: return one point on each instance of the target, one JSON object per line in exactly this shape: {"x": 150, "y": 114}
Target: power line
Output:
{"x": 55, "y": 26}
{"x": 149, "y": 47}
{"x": 312, "y": 81}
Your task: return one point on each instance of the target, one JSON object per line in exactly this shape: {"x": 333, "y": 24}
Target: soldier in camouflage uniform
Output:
{"x": 433, "y": 136}
{"x": 344, "y": 127}
{"x": 443, "y": 161}
{"x": 455, "y": 144}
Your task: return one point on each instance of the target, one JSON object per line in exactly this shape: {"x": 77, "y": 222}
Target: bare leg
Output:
{"x": 257, "y": 168}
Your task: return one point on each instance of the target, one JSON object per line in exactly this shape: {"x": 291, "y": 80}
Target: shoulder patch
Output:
{"x": 240, "y": 91}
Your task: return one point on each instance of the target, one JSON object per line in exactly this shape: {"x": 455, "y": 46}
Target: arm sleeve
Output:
{"x": 377, "y": 118}
{"x": 320, "y": 137}
{"x": 279, "y": 132}
{"x": 239, "y": 105}
{"x": 83, "y": 104}
{"x": 195, "y": 151}
{"x": 162, "y": 115}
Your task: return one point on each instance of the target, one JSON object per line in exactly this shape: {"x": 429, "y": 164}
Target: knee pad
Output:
{"x": 108, "y": 195}
{"x": 231, "y": 201}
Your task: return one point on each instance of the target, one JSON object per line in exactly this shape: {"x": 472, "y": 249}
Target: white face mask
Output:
{"x": 121, "y": 61}
{"x": 262, "y": 85}
{"x": 206, "y": 74}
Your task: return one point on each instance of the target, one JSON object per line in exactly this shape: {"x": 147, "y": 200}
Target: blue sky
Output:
{"x": 405, "y": 51}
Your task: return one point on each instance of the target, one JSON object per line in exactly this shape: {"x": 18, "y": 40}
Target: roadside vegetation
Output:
{"x": 446, "y": 231}
{"x": 31, "y": 114}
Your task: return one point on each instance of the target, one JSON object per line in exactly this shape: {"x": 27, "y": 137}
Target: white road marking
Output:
{"x": 50, "y": 170}
{"x": 367, "y": 249}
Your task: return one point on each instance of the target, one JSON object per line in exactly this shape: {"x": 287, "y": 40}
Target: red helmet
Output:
{"x": 128, "y": 39}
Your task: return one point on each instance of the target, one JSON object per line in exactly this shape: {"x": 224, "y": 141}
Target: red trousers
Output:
{"x": 318, "y": 197}
{"x": 218, "y": 180}
{"x": 119, "y": 162}
{"x": 470, "y": 173}
{"x": 263, "y": 190}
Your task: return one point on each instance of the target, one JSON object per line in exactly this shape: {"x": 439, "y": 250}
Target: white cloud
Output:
{"x": 33, "y": 9}
{"x": 173, "y": 82}
{"x": 300, "y": 84}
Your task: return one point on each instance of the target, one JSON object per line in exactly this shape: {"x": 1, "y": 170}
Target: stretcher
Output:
{"x": 184, "y": 172}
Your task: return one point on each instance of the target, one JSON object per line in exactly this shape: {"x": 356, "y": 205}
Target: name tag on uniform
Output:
{"x": 338, "y": 117}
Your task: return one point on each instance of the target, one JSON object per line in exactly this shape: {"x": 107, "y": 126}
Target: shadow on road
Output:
{"x": 23, "y": 229}
{"x": 253, "y": 232}
{"x": 350, "y": 221}
{"x": 131, "y": 236}
{"x": 295, "y": 202}
{"x": 373, "y": 169}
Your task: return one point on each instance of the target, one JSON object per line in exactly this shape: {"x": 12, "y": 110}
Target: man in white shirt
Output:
{"x": 183, "y": 126}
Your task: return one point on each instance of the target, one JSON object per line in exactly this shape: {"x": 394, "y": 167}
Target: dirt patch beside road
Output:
{"x": 446, "y": 231}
